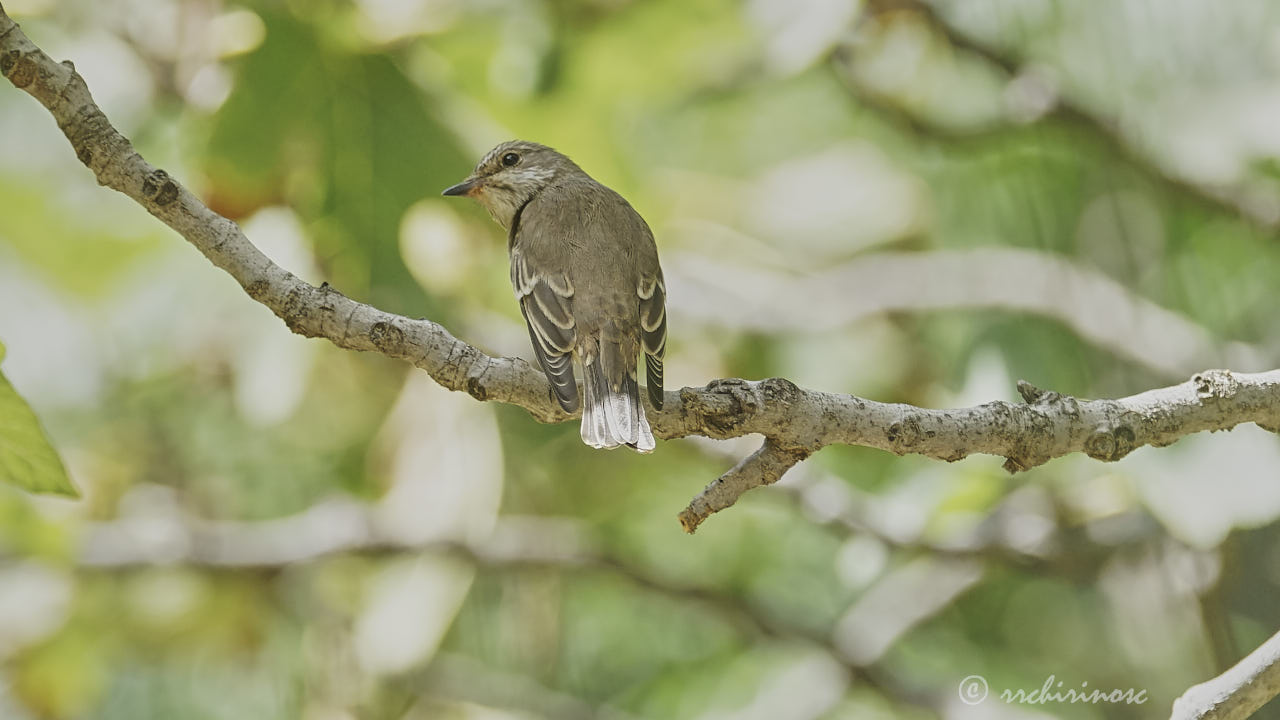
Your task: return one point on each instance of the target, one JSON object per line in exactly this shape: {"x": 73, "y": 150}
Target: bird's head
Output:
{"x": 510, "y": 175}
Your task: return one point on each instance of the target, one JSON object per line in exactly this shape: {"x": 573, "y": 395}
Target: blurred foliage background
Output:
{"x": 911, "y": 202}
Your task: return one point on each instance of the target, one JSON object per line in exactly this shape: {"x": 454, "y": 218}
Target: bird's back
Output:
{"x": 591, "y": 234}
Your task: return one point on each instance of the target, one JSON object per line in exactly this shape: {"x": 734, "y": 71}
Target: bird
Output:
{"x": 585, "y": 271}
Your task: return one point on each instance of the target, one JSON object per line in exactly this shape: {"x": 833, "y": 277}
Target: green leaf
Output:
{"x": 345, "y": 138}
{"x": 26, "y": 457}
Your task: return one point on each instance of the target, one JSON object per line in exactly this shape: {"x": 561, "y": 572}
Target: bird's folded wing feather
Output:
{"x": 546, "y": 301}
{"x": 653, "y": 332}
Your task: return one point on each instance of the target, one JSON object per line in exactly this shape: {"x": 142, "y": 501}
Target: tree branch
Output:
{"x": 762, "y": 467}
{"x": 1096, "y": 308}
{"x": 795, "y": 422}
{"x": 1236, "y": 693}
{"x": 164, "y": 535}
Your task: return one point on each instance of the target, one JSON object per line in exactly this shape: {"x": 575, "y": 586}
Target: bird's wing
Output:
{"x": 546, "y": 301}
{"x": 653, "y": 332}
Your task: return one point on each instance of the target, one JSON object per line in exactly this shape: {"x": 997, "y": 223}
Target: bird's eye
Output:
{"x": 510, "y": 159}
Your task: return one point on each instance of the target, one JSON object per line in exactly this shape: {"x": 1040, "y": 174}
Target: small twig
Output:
{"x": 762, "y": 467}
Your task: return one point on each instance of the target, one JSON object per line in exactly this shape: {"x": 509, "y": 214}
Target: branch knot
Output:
{"x": 18, "y": 67}
{"x": 725, "y": 404}
{"x": 1109, "y": 444}
{"x": 903, "y": 434}
{"x": 1215, "y": 384}
{"x": 386, "y": 336}
{"x": 160, "y": 188}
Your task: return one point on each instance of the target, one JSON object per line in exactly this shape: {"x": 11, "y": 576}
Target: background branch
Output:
{"x": 1064, "y": 110}
{"x": 165, "y": 535}
{"x": 1101, "y": 310}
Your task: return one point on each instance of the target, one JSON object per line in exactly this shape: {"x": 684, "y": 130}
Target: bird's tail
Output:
{"x": 613, "y": 416}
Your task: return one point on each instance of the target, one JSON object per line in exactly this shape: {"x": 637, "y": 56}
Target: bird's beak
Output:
{"x": 466, "y": 187}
